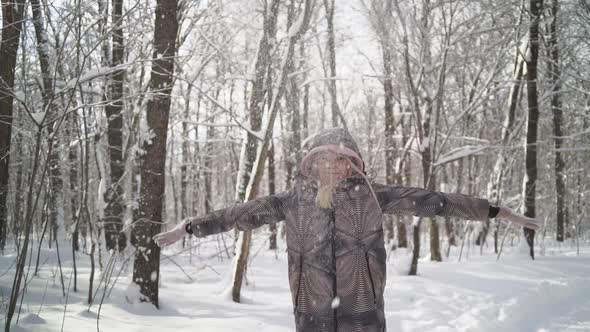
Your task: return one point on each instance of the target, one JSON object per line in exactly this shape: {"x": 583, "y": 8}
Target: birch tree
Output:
{"x": 382, "y": 22}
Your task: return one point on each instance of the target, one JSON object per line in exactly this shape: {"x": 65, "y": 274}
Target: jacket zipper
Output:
{"x": 334, "y": 280}
{"x": 299, "y": 283}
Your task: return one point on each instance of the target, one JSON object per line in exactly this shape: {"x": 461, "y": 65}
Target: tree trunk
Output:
{"x": 73, "y": 178}
{"x": 536, "y": 7}
{"x": 555, "y": 72}
{"x": 271, "y": 191}
{"x": 495, "y": 185}
{"x": 429, "y": 181}
{"x": 209, "y": 147}
{"x": 304, "y": 122}
{"x": 113, "y": 222}
{"x": 293, "y": 156}
{"x": 149, "y": 215}
{"x": 428, "y": 136}
{"x": 18, "y": 196}
{"x": 32, "y": 201}
{"x": 55, "y": 183}
{"x": 416, "y": 224}
{"x": 184, "y": 176}
{"x": 404, "y": 176}
{"x": 329, "y": 7}
{"x": 449, "y": 226}
{"x": 255, "y": 112}
{"x": 390, "y": 146}
{"x": 12, "y": 14}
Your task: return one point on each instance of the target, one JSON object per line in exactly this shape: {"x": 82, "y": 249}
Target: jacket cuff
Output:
{"x": 494, "y": 210}
{"x": 188, "y": 227}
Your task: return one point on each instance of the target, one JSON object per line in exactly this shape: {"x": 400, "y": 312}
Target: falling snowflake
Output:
{"x": 335, "y": 302}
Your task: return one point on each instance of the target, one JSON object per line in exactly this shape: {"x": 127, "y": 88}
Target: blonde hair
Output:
{"x": 324, "y": 199}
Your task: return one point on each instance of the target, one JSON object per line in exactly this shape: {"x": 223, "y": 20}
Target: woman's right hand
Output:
{"x": 167, "y": 238}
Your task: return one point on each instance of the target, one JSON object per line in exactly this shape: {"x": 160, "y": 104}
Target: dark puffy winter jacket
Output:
{"x": 336, "y": 256}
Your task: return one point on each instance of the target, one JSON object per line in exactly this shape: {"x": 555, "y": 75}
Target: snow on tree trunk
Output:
{"x": 255, "y": 109}
{"x": 184, "y": 176}
{"x": 47, "y": 91}
{"x": 292, "y": 149}
{"x": 148, "y": 217}
{"x": 495, "y": 185}
{"x": 530, "y": 180}
{"x": 113, "y": 220}
{"x": 555, "y": 74}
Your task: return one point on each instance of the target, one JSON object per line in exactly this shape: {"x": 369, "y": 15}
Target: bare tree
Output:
{"x": 271, "y": 191}
{"x": 292, "y": 149}
{"x": 113, "y": 224}
{"x": 12, "y": 14}
{"x": 147, "y": 221}
{"x": 255, "y": 108}
{"x": 329, "y": 7}
{"x": 295, "y": 32}
{"x": 530, "y": 181}
{"x": 381, "y": 17}
{"x": 423, "y": 108}
{"x": 555, "y": 77}
{"x": 47, "y": 92}
{"x": 508, "y": 127}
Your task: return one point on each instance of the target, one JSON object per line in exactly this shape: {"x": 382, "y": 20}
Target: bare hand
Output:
{"x": 508, "y": 214}
{"x": 167, "y": 238}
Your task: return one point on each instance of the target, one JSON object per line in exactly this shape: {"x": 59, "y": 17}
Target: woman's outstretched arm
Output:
{"x": 424, "y": 203}
{"x": 244, "y": 216}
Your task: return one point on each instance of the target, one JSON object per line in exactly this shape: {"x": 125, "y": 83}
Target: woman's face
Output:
{"x": 332, "y": 167}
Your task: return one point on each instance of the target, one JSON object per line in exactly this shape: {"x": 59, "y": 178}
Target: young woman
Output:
{"x": 333, "y": 217}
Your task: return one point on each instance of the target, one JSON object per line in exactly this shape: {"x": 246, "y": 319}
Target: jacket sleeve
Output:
{"x": 425, "y": 203}
{"x": 244, "y": 216}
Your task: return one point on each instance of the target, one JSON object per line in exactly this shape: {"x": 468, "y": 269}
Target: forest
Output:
{"x": 120, "y": 119}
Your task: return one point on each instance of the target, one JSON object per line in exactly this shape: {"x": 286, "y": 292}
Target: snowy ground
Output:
{"x": 478, "y": 294}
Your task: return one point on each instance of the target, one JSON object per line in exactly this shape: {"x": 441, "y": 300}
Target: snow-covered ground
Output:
{"x": 478, "y": 294}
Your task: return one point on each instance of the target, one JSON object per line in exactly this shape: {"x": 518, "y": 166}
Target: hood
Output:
{"x": 336, "y": 140}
